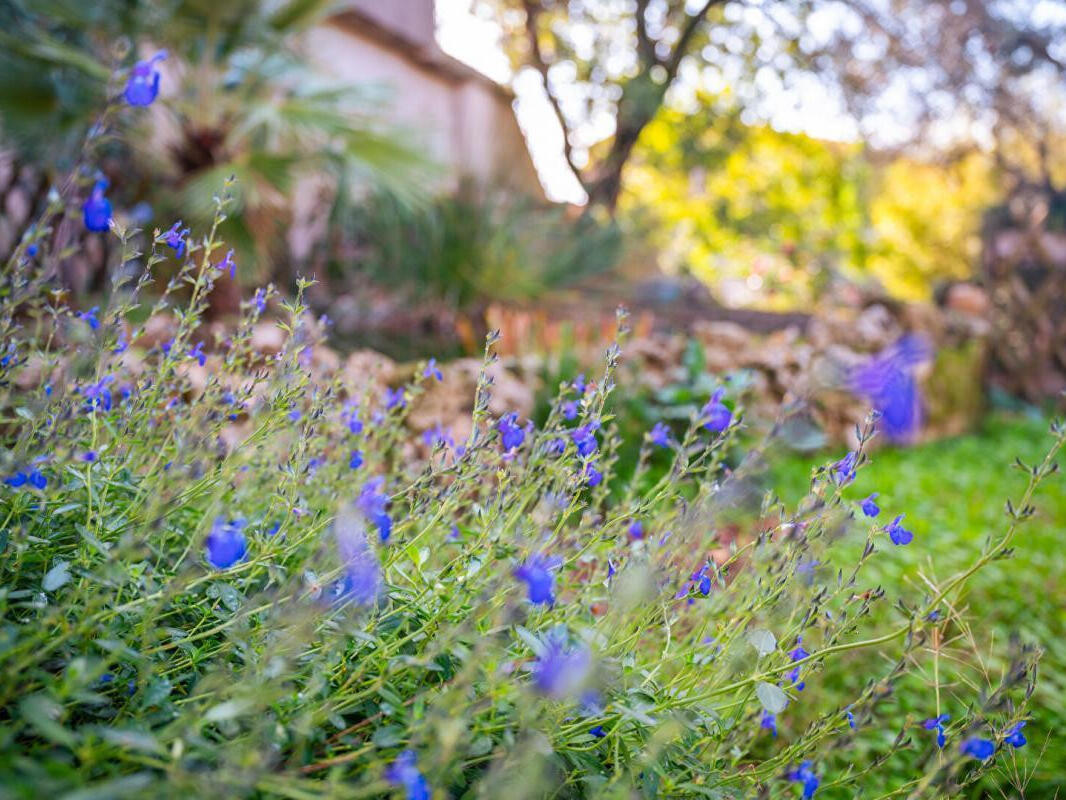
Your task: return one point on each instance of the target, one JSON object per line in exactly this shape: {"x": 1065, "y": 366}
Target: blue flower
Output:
{"x": 198, "y": 353}
{"x": 404, "y": 773}
{"x": 570, "y": 409}
{"x": 584, "y": 438}
{"x": 37, "y": 479}
{"x": 560, "y": 669}
{"x": 768, "y": 722}
{"x": 887, "y": 381}
{"x": 89, "y": 317}
{"x": 361, "y": 581}
{"x": 798, "y": 653}
{"x": 143, "y": 85}
{"x": 228, "y": 264}
{"x": 636, "y": 530}
{"x": 260, "y": 301}
{"x": 17, "y": 480}
{"x": 870, "y": 507}
{"x": 96, "y": 211}
{"x": 937, "y": 723}
{"x": 373, "y": 503}
{"x": 438, "y": 435}
{"x": 355, "y": 460}
{"x": 394, "y": 398}
{"x": 580, "y": 385}
{"x": 538, "y": 573}
{"x": 716, "y": 415}
{"x": 175, "y": 238}
{"x": 844, "y": 469}
{"x": 659, "y": 435}
{"x": 851, "y": 719}
{"x": 804, "y": 774}
{"x": 226, "y": 543}
{"x": 977, "y": 748}
{"x": 598, "y": 731}
{"x": 1014, "y": 736}
{"x": 511, "y": 435}
{"x": 593, "y": 477}
{"x": 89, "y": 456}
{"x": 897, "y": 533}
{"x": 432, "y": 370}
{"x": 98, "y": 395}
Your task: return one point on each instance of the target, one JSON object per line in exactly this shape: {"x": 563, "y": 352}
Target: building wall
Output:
{"x": 462, "y": 120}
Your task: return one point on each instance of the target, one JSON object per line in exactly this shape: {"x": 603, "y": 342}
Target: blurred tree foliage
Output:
{"x": 237, "y": 100}
{"x": 925, "y": 76}
{"x": 785, "y": 212}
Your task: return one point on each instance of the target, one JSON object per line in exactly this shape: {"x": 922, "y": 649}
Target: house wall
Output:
{"x": 460, "y": 119}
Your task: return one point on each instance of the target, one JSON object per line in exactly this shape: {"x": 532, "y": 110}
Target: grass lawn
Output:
{"x": 953, "y": 494}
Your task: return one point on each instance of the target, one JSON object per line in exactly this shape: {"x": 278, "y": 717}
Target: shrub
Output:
{"x": 249, "y": 588}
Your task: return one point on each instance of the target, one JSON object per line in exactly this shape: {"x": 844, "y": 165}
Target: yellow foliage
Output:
{"x": 781, "y": 213}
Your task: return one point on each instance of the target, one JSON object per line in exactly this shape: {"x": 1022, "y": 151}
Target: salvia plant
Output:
{"x": 249, "y": 587}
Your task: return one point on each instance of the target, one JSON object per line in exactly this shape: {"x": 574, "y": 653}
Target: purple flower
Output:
{"x": 35, "y": 478}
{"x": 394, "y": 398}
{"x": 432, "y": 370}
{"x": 659, "y": 435}
{"x": 844, "y": 469}
{"x": 977, "y": 748}
{"x": 361, "y": 582}
{"x": 143, "y": 85}
{"x": 175, "y": 238}
{"x": 580, "y": 385}
{"x": 355, "y": 460}
{"x": 226, "y": 544}
{"x": 897, "y": 533}
{"x": 198, "y": 353}
{"x": 937, "y": 724}
{"x": 869, "y": 507}
{"x": 570, "y": 409}
{"x": 798, "y": 653}
{"x": 89, "y": 456}
{"x": 374, "y": 504}
{"x": 887, "y": 381}
{"x": 89, "y": 317}
{"x": 96, "y": 211}
{"x": 437, "y": 435}
{"x": 228, "y": 264}
{"x": 804, "y": 774}
{"x": 584, "y": 438}
{"x": 511, "y": 435}
{"x": 538, "y": 573}
{"x": 716, "y": 415}
{"x": 98, "y": 395}
{"x": 593, "y": 477}
{"x": 260, "y": 301}
{"x": 560, "y": 669}
{"x": 636, "y": 530}
{"x": 768, "y": 722}
{"x": 1014, "y": 736}
{"x": 404, "y": 773}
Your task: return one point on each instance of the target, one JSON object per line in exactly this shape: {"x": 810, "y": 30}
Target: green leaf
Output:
{"x": 763, "y": 641}
{"x": 772, "y": 698}
{"x": 42, "y": 712}
{"x": 56, "y": 577}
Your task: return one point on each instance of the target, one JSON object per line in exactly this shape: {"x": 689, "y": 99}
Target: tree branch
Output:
{"x": 645, "y": 46}
{"x": 537, "y": 58}
{"x": 674, "y": 62}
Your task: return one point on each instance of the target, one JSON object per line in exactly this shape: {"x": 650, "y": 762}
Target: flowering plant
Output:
{"x": 204, "y": 591}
